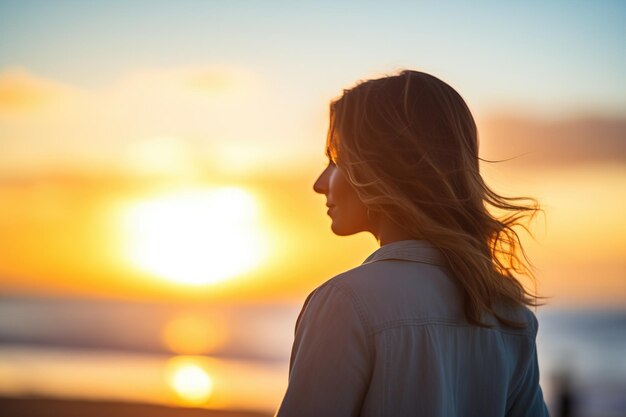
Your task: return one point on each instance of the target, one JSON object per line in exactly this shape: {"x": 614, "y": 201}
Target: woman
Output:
{"x": 435, "y": 322}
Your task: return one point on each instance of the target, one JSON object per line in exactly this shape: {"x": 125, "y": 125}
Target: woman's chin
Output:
{"x": 341, "y": 230}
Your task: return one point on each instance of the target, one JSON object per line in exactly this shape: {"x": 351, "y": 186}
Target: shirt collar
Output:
{"x": 408, "y": 250}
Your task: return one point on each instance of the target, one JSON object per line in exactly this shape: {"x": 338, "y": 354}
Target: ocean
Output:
{"x": 584, "y": 350}
{"x": 147, "y": 353}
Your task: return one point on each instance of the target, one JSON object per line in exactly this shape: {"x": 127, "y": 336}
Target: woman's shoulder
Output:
{"x": 413, "y": 267}
{"x": 391, "y": 290}
{"x": 388, "y": 277}
{"x": 385, "y": 293}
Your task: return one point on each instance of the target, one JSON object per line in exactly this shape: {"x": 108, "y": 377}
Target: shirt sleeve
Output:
{"x": 528, "y": 400}
{"x": 330, "y": 363}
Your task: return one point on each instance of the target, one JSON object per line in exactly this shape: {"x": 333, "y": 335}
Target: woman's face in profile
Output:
{"x": 346, "y": 210}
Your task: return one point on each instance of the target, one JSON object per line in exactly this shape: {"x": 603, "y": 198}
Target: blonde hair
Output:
{"x": 409, "y": 145}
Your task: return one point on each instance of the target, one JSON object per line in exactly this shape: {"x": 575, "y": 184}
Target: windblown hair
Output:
{"x": 409, "y": 146}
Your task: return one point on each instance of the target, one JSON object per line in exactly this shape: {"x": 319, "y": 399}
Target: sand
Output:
{"x": 44, "y": 407}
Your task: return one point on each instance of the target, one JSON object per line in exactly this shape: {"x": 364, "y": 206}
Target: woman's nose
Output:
{"x": 321, "y": 184}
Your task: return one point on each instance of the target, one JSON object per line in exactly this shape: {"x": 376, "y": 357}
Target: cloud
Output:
{"x": 210, "y": 80}
{"x": 572, "y": 141}
{"x": 20, "y": 91}
{"x": 206, "y": 108}
{"x": 230, "y": 118}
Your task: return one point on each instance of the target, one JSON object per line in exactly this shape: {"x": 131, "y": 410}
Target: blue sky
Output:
{"x": 554, "y": 57}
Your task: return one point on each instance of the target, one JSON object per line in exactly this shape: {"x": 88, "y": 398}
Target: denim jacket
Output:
{"x": 389, "y": 338}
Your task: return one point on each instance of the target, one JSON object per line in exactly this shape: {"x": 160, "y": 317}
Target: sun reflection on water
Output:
{"x": 189, "y": 379}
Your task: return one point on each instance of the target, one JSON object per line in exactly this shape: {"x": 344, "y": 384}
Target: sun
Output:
{"x": 198, "y": 236}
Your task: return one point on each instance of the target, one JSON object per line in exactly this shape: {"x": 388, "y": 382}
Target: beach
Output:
{"x": 46, "y": 407}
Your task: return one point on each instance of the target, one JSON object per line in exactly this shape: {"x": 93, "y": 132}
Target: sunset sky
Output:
{"x": 160, "y": 150}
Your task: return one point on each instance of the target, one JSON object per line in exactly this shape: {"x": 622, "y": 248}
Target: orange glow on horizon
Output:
{"x": 65, "y": 235}
{"x": 190, "y": 334}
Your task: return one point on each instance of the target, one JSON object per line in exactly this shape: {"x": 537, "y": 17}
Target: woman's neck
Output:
{"x": 389, "y": 232}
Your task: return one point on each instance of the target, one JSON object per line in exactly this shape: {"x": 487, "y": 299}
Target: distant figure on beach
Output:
{"x": 565, "y": 393}
{"x": 435, "y": 322}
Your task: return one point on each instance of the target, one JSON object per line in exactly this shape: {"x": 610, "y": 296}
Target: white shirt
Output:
{"x": 389, "y": 338}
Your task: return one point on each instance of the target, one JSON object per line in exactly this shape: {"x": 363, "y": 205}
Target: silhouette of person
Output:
{"x": 565, "y": 395}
